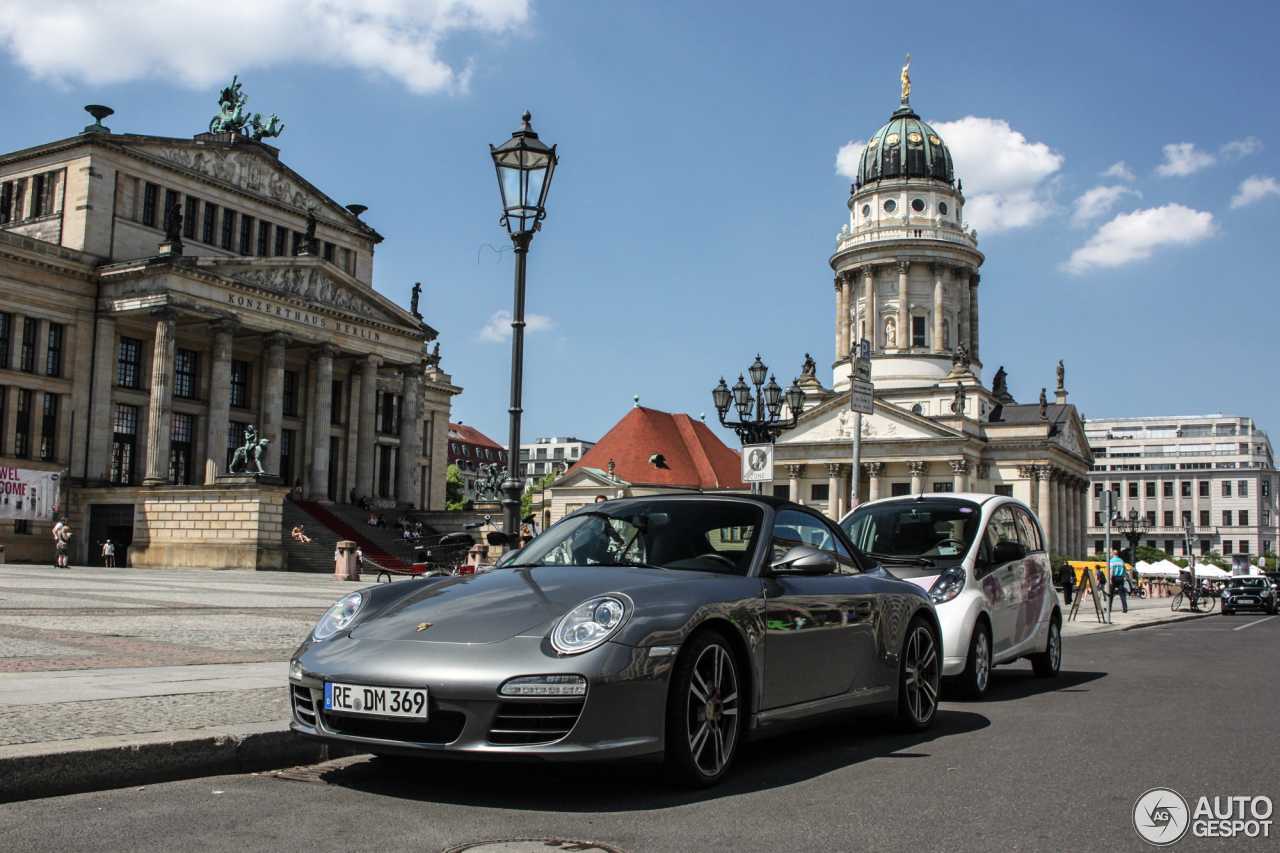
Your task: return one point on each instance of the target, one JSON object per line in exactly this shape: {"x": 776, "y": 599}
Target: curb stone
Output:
{"x": 36, "y": 770}
{"x": 1166, "y": 620}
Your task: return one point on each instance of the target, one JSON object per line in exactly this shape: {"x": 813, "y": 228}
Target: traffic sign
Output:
{"x": 864, "y": 347}
{"x": 861, "y": 396}
{"x": 757, "y": 463}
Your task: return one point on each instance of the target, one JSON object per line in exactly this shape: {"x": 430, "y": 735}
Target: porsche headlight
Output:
{"x": 948, "y": 585}
{"x": 590, "y": 624}
{"x": 339, "y": 616}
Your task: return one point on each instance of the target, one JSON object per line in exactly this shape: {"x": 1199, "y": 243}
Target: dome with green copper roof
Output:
{"x": 906, "y": 147}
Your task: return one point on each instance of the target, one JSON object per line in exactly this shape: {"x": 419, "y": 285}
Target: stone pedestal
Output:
{"x": 344, "y": 564}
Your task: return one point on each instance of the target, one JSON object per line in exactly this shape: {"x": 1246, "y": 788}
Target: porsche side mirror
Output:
{"x": 1007, "y": 552}
{"x": 805, "y": 560}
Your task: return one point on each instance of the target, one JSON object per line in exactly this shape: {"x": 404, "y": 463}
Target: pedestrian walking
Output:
{"x": 1099, "y": 582}
{"x": 61, "y": 536}
{"x": 1117, "y": 581}
{"x": 109, "y": 554}
{"x": 297, "y": 487}
{"x": 1068, "y": 581}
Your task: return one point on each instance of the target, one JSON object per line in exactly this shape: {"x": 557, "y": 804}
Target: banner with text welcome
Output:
{"x": 27, "y": 493}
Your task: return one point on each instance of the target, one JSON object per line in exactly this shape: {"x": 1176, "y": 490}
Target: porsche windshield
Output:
{"x": 915, "y": 531}
{"x": 703, "y": 536}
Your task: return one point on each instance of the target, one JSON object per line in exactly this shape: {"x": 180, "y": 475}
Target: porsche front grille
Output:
{"x": 523, "y": 723}
{"x": 441, "y": 727}
{"x": 304, "y": 709}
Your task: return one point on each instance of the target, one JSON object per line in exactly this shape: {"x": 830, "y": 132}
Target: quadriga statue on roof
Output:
{"x": 232, "y": 118}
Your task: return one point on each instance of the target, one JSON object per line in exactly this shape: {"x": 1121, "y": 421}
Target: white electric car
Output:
{"x": 983, "y": 561}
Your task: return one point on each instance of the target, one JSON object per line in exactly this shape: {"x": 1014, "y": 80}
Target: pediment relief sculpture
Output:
{"x": 242, "y": 169}
{"x": 309, "y": 285}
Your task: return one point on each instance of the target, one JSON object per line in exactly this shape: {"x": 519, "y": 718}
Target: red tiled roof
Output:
{"x": 458, "y": 432}
{"x": 695, "y": 458}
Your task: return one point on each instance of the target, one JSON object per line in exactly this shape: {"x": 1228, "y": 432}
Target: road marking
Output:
{"x": 1251, "y": 624}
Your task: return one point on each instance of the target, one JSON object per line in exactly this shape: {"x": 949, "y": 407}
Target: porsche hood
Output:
{"x": 498, "y": 605}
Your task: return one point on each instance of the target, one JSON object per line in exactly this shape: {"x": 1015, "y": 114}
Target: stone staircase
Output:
{"x": 375, "y": 551}
{"x": 389, "y": 539}
{"x": 314, "y": 556}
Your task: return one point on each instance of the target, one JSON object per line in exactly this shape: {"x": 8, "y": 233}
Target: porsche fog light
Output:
{"x": 545, "y": 685}
{"x": 948, "y": 585}
{"x": 590, "y": 624}
{"x": 339, "y": 616}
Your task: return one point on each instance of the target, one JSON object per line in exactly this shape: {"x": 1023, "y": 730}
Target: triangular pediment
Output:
{"x": 832, "y": 421}
{"x": 252, "y": 171}
{"x": 1070, "y": 436}
{"x": 579, "y": 477}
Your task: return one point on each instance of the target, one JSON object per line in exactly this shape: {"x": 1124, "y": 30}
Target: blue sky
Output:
{"x": 697, "y": 199}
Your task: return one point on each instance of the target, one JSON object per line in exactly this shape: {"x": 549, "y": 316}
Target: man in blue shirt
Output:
{"x": 1116, "y": 565}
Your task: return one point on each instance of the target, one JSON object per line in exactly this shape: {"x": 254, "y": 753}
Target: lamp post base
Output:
{"x": 512, "y": 491}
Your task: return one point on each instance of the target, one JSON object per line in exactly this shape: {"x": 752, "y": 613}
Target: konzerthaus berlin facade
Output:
{"x": 135, "y": 363}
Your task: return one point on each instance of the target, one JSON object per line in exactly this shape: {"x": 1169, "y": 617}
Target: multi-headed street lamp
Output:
{"x": 525, "y": 166}
{"x": 766, "y": 401}
{"x": 1133, "y": 528}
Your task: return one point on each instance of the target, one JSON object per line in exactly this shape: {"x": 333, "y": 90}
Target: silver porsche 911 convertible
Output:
{"x": 668, "y": 629}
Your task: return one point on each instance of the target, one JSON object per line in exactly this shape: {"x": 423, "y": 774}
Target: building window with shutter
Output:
{"x": 6, "y": 338}
{"x": 289, "y": 394}
{"x": 282, "y": 236}
{"x": 328, "y": 251}
{"x": 30, "y": 328}
{"x": 240, "y": 384}
{"x": 209, "y": 231}
{"x": 49, "y": 428}
{"x": 246, "y": 235}
{"x": 335, "y": 402}
{"x": 22, "y": 428}
{"x": 184, "y": 374}
{"x": 122, "y": 444}
{"x": 191, "y": 218}
{"x": 171, "y": 197}
{"x": 150, "y": 199}
{"x": 819, "y": 492}
{"x": 182, "y": 430}
{"x": 264, "y": 238}
{"x": 228, "y": 229}
{"x": 129, "y": 366}
{"x": 53, "y": 356}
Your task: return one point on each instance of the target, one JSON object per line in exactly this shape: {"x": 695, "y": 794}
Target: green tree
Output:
{"x": 526, "y": 500}
{"x": 454, "y": 499}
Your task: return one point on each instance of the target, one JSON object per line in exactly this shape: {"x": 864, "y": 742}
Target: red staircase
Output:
{"x": 372, "y": 550}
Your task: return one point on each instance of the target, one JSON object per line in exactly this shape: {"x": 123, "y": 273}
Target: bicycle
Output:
{"x": 1197, "y": 599}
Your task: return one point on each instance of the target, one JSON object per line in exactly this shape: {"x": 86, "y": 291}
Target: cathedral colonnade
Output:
{"x": 861, "y": 307}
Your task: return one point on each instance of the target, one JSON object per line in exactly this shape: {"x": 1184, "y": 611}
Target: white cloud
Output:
{"x": 498, "y": 329}
{"x": 1241, "y": 147}
{"x": 1183, "y": 159}
{"x": 1134, "y": 236}
{"x": 1119, "y": 170}
{"x": 1005, "y": 173}
{"x": 1254, "y": 188}
{"x": 848, "y": 158}
{"x": 198, "y": 43}
{"x": 1098, "y": 202}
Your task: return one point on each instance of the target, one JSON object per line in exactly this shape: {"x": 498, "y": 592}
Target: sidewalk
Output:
{"x": 1143, "y": 612}
{"x": 146, "y": 674}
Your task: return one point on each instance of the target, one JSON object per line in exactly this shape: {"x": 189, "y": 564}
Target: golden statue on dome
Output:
{"x": 906, "y": 81}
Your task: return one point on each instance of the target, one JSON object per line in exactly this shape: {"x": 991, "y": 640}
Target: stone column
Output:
{"x": 1028, "y": 472}
{"x": 919, "y": 470}
{"x": 842, "y": 318}
{"x": 368, "y": 428}
{"x": 160, "y": 416}
{"x": 974, "y": 278}
{"x": 938, "y": 271}
{"x": 794, "y": 472}
{"x": 410, "y": 435}
{"x": 273, "y": 400}
{"x": 321, "y": 412}
{"x": 102, "y": 413}
{"x": 874, "y": 472}
{"x": 219, "y": 399}
{"x": 1044, "y": 511}
{"x": 960, "y": 469}
{"x": 962, "y": 323}
{"x": 873, "y": 310}
{"x": 1082, "y": 510}
{"x": 904, "y": 307}
{"x": 1062, "y": 522}
{"x": 835, "y": 489}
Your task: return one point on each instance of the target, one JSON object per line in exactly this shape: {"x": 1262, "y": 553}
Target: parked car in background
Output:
{"x": 983, "y": 561}
{"x": 1249, "y": 592}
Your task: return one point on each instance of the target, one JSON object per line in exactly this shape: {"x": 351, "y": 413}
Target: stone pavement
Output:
{"x": 88, "y": 652}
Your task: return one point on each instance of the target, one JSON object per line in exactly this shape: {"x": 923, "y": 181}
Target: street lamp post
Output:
{"x": 1190, "y": 537}
{"x": 524, "y": 165}
{"x": 1133, "y": 528}
{"x": 767, "y": 423}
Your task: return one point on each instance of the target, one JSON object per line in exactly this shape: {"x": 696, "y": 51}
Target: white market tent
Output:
{"x": 1211, "y": 572}
{"x": 1162, "y": 569}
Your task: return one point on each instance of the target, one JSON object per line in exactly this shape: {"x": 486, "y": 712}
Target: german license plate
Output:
{"x": 375, "y": 701}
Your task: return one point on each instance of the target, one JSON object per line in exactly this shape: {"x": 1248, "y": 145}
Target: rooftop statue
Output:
{"x": 906, "y": 80}
{"x": 809, "y": 368}
{"x": 232, "y": 118}
{"x": 173, "y": 223}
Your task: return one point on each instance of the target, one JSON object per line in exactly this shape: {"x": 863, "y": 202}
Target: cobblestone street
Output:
{"x": 93, "y": 652}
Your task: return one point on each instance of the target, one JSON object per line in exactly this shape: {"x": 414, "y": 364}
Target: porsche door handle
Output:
{"x": 862, "y": 608}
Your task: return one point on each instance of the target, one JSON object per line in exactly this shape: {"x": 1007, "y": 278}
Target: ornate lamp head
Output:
{"x": 758, "y": 372}
{"x": 722, "y": 396}
{"x": 525, "y": 166}
{"x": 773, "y": 397}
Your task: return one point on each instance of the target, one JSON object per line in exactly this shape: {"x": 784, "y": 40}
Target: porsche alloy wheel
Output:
{"x": 703, "y": 719}
{"x": 921, "y": 675}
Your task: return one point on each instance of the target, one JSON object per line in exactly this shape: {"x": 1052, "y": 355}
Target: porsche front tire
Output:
{"x": 704, "y": 719}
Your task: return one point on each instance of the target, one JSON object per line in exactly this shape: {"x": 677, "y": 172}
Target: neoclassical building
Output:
{"x": 907, "y": 281}
{"x": 160, "y": 296}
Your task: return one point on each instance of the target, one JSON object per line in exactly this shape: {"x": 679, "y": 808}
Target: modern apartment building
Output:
{"x": 551, "y": 454}
{"x": 1215, "y": 470}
